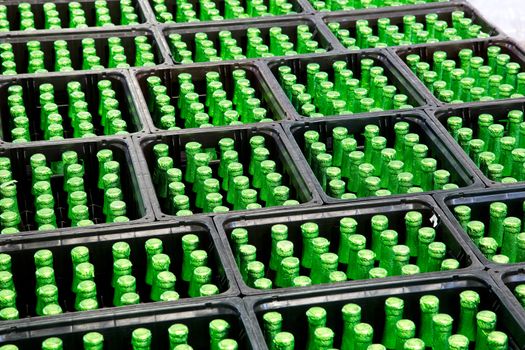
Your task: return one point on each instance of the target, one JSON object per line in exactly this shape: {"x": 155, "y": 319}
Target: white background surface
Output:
{"x": 508, "y": 15}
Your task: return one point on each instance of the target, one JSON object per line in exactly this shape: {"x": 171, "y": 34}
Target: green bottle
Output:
{"x": 498, "y": 213}
{"x": 394, "y": 308}
{"x": 442, "y": 330}
{"x": 79, "y": 256}
{"x": 511, "y": 228}
{"x": 309, "y": 231}
{"x": 272, "y": 325}
{"x": 363, "y": 335}
{"x": 379, "y": 223}
{"x": 219, "y": 330}
{"x": 316, "y": 317}
{"x": 497, "y": 340}
{"x": 153, "y": 247}
{"x": 405, "y": 330}
{"x": 53, "y": 343}
{"x": 429, "y": 306}
{"x": 469, "y": 302}
{"x": 93, "y": 341}
{"x": 458, "y": 342}
{"x": 413, "y": 222}
{"x": 283, "y": 341}
{"x": 141, "y": 339}
{"x": 351, "y": 317}
{"x": 486, "y": 323}
{"x": 414, "y": 344}
{"x": 347, "y": 227}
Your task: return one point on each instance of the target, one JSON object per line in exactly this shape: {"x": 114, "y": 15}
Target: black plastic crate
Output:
{"x": 124, "y": 94}
{"x": 470, "y": 117}
{"x": 293, "y": 307}
{"x": 479, "y": 201}
{"x": 239, "y": 32}
{"x": 169, "y": 77}
{"x": 100, "y": 255}
{"x": 37, "y": 7}
{"x": 508, "y": 278}
{"x": 452, "y": 49}
{"x": 460, "y": 172}
{"x": 117, "y": 327}
{"x": 22, "y": 56}
{"x": 292, "y": 174}
{"x": 327, "y": 218}
{"x": 137, "y": 204}
{"x": 298, "y": 67}
{"x": 166, "y": 11}
{"x": 396, "y": 18}
{"x": 371, "y": 5}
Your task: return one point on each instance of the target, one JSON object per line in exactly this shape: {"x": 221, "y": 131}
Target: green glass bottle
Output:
{"x": 458, "y": 342}
{"x": 429, "y": 306}
{"x": 394, "y": 308}
{"x": 469, "y": 302}
{"x": 316, "y": 317}
{"x": 351, "y": 317}
{"x": 93, "y": 341}
{"x": 486, "y": 323}
{"x": 442, "y": 330}
{"x": 363, "y": 335}
{"x": 141, "y": 339}
{"x": 405, "y": 330}
{"x": 153, "y": 247}
{"x": 219, "y": 330}
{"x": 309, "y": 231}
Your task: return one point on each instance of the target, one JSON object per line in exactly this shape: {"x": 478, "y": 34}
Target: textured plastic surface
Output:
{"x": 447, "y": 159}
{"x": 479, "y": 201}
{"x": 293, "y": 306}
{"x": 125, "y": 94}
{"x": 117, "y": 326}
{"x": 470, "y": 113}
{"x": 135, "y": 196}
{"x": 293, "y": 174}
{"x": 100, "y": 255}
{"x": 327, "y": 217}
